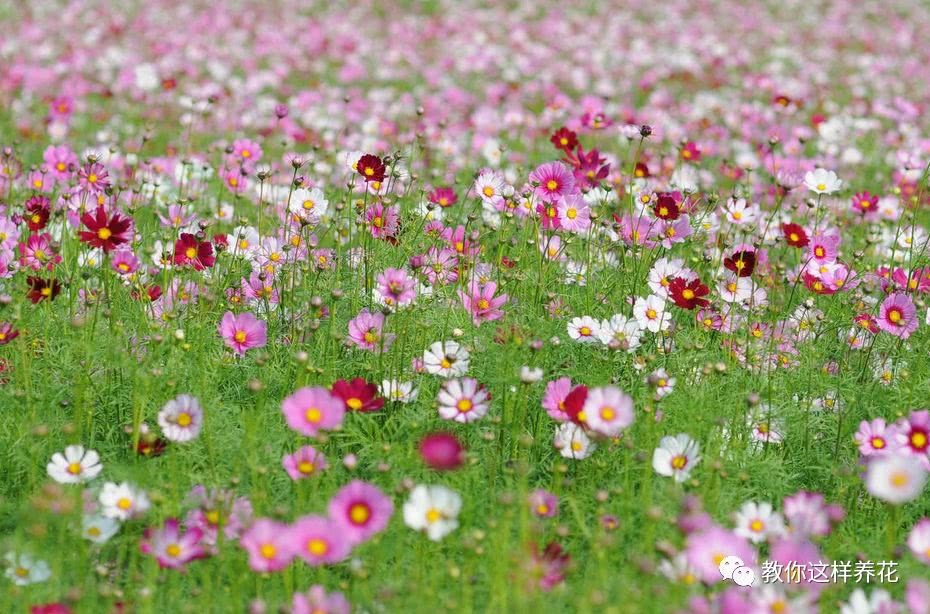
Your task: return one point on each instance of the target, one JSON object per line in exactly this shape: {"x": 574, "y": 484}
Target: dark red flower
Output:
{"x": 188, "y": 251}
{"x": 38, "y": 209}
{"x": 358, "y": 395}
{"x": 742, "y": 263}
{"x": 220, "y": 242}
{"x": 795, "y": 235}
{"x": 444, "y": 197}
{"x": 41, "y": 289}
{"x": 152, "y": 293}
{"x": 691, "y": 152}
{"x": 107, "y": 234}
{"x": 564, "y": 139}
{"x": 666, "y": 208}
{"x": 7, "y": 333}
{"x": 867, "y": 322}
{"x": 574, "y": 403}
{"x": 641, "y": 171}
{"x": 442, "y": 451}
{"x": 371, "y": 168}
{"x": 151, "y": 445}
{"x": 688, "y": 294}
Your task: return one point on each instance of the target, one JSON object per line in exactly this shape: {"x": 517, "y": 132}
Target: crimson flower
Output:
{"x": 795, "y": 235}
{"x": 742, "y": 263}
{"x": 41, "y": 289}
{"x": 666, "y": 208}
{"x": 188, "y": 251}
{"x": 444, "y": 197}
{"x": 371, "y": 168}
{"x": 574, "y": 403}
{"x": 358, "y": 395}
{"x": 38, "y": 209}
{"x": 564, "y": 139}
{"x": 107, "y": 234}
{"x": 688, "y": 294}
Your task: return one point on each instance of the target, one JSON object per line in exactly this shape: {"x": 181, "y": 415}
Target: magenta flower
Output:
{"x": 60, "y": 161}
{"x": 365, "y": 331}
{"x": 269, "y": 544}
{"x": 552, "y": 180}
{"x": 37, "y": 253}
{"x": 304, "y": 463}
{"x": 124, "y": 262}
{"x": 311, "y": 410}
{"x": 170, "y": 547}
{"x": 442, "y": 451}
{"x": 898, "y": 315}
{"x": 913, "y": 436}
{"x": 382, "y": 221}
{"x": 243, "y": 332}
{"x": 553, "y": 400}
{"x": 360, "y": 510}
{"x": 481, "y": 302}
{"x": 319, "y": 541}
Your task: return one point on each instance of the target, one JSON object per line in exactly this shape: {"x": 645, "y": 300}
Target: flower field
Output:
{"x": 452, "y": 306}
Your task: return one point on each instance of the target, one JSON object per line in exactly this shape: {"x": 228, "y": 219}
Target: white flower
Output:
{"x": 895, "y": 478}
{"x": 878, "y": 602}
{"x": 572, "y": 442}
{"x": 664, "y": 385}
{"x": 394, "y": 390}
{"x": 650, "y": 313}
{"x": 446, "y": 359}
{"x": 758, "y": 522}
{"x": 663, "y": 272}
{"x": 530, "y": 375}
{"x": 308, "y": 205}
{"x": 122, "y": 501}
{"x": 489, "y": 186}
{"x": 76, "y": 465}
{"x": 181, "y": 418}
{"x": 463, "y": 400}
{"x": 735, "y": 289}
{"x": 99, "y": 529}
{"x": 739, "y": 212}
{"x": 821, "y": 181}
{"x": 620, "y": 333}
{"x": 433, "y": 510}
{"x": 676, "y": 456}
{"x": 244, "y": 241}
{"x": 22, "y": 569}
{"x": 584, "y": 329}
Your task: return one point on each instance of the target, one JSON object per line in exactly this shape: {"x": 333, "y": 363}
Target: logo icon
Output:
{"x": 733, "y": 568}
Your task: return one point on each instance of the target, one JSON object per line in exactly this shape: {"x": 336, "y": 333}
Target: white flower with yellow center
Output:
{"x": 123, "y": 501}
{"x": 676, "y": 456}
{"x": 433, "y": 510}
{"x": 99, "y": 529}
{"x": 74, "y": 466}
{"x": 758, "y": 522}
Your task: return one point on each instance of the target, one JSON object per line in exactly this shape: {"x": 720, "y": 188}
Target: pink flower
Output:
{"x": 919, "y": 540}
{"x": 37, "y": 252}
{"x": 360, "y": 510}
{"x": 442, "y": 451}
{"x": 246, "y": 152}
{"x": 304, "y": 463}
{"x": 913, "y": 436}
{"x": 382, "y": 221}
{"x": 269, "y": 544}
{"x": 243, "y": 332}
{"x": 317, "y": 601}
{"x": 365, "y": 331}
{"x": 171, "y": 548}
{"x": 876, "y": 437}
{"x": 396, "y": 288}
{"x": 481, "y": 302}
{"x": 319, "y": 541}
{"x": 574, "y": 213}
{"x": 311, "y": 410}
{"x": 552, "y": 180}
{"x": 124, "y": 262}
{"x": 706, "y": 549}
{"x": 898, "y": 316}
{"x": 553, "y": 400}
{"x": 60, "y": 161}
{"x": 543, "y": 503}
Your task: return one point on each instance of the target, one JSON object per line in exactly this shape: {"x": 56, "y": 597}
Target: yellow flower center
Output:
{"x": 313, "y": 415}
{"x": 104, "y": 233}
{"x": 552, "y": 185}
{"x": 124, "y": 503}
{"x": 305, "y": 467}
{"x": 757, "y": 525}
{"x": 608, "y": 413}
{"x": 899, "y": 479}
{"x": 240, "y": 336}
{"x": 173, "y": 550}
{"x": 184, "y": 419}
{"x": 688, "y": 294}
{"x": 354, "y": 403}
{"x": 464, "y": 405}
{"x": 919, "y": 440}
{"x": 651, "y": 314}
{"x": 317, "y": 547}
{"x": 433, "y": 515}
{"x": 268, "y": 551}
{"x": 359, "y": 513}
{"x": 679, "y": 462}
{"x": 571, "y": 213}
{"x": 483, "y": 304}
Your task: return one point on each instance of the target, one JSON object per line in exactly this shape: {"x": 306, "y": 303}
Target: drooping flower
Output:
{"x": 243, "y": 332}
{"x": 360, "y": 510}
{"x": 434, "y": 510}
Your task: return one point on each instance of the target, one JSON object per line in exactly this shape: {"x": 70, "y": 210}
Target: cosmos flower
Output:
{"x": 310, "y": 410}
{"x": 895, "y": 478}
{"x": 572, "y": 442}
{"x": 304, "y": 463}
{"x": 446, "y": 359}
{"x": 607, "y": 410}
{"x": 919, "y": 540}
{"x": 707, "y": 548}
{"x": 876, "y": 437}
{"x": 172, "y": 548}
{"x": 269, "y": 544}
{"x": 99, "y": 529}
{"x": 358, "y": 395}
{"x": 898, "y": 315}
{"x": 22, "y": 569}
{"x": 481, "y": 302}
{"x": 106, "y": 232}
{"x": 434, "y": 510}
{"x": 243, "y": 332}
{"x": 360, "y": 510}
{"x": 676, "y": 456}
{"x": 758, "y": 522}
{"x": 821, "y": 181}
{"x": 463, "y": 400}
{"x": 181, "y": 418}
{"x": 366, "y": 332}
{"x": 318, "y": 541}
{"x": 371, "y": 168}
{"x": 553, "y": 180}
{"x": 442, "y": 451}
{"x": 317, "y": 601}
{"x": 123, "y": 501}
{"x": 74, "y": 466}
{"x": 188, "y": 251}
{"x": 543, "y": 503}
